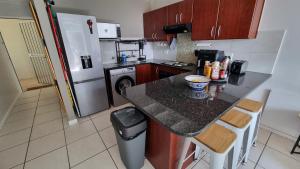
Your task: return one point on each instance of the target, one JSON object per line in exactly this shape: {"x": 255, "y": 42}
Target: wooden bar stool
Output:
{"x": 254, "y": 109}
{"x": 216, "y": 140}
{"x": 239, "y": 123}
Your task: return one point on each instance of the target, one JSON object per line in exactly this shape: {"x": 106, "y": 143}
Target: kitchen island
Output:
{"x": 176, "y": 112}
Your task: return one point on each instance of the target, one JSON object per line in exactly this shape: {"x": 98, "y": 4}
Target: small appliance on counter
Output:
{"x": 239, "y": 67}
{"x": 208, "y": 55}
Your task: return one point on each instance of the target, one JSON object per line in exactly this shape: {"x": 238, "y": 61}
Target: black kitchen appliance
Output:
{"x": 208, "y": 55}
{"x": 239, "y": 67}
{"x": 180, "y": 28}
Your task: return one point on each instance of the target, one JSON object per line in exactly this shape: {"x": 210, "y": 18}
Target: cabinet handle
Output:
{"x": 155, "y": 35}
{"x": 152, "y": 35}
{"x": 180, "y": 17}
{"x": 212, "y": 32}
{"x": 219, "y": 31}
{"x": 177, "y": 18}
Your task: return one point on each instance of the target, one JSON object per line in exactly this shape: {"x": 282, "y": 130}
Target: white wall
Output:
{"x": 14, "y": 9}
{"x": 16, "y": 46}
{"x": 129, "y": 13}
{"x": 283, "y": 107}
{"x": 9, "y": 86}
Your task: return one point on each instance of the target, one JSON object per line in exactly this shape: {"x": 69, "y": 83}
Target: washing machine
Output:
{"x": 121, "y": 78}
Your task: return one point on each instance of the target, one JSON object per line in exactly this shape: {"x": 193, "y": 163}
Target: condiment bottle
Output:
{"x": 207, "y": 69}
{"x": 215, "y": 75}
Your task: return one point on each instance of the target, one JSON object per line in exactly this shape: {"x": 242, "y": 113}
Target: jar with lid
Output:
{"x": 215, "y": 75}
{"x": 207, "y": 69}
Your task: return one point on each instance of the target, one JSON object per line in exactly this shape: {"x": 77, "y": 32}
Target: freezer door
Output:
{"x": 81, "y": 42}
{"x": 91, "y": 96}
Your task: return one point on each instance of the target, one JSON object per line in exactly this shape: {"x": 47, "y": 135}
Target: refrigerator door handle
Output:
{"x": 89, "y": 80}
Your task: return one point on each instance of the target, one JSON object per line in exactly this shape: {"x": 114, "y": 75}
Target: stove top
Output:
{"x": 176, "y": 64}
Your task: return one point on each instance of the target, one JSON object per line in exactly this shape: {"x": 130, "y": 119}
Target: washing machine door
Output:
{"x": 123, "y": 83}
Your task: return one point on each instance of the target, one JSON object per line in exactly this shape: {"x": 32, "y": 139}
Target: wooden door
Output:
{"x": 238, "y": 19}
{"x": 205, "y": 19}
{"x": 148, "y": 26}
{"x": 143, "y": 73}
{"x": 161, "y": 20}
{"x": 173, "y": 15}
{"x": 186, "y": 11}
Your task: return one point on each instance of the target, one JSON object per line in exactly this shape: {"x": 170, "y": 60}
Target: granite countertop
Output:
{"x": 110, "y": 66}
{"x": 171, "y": 103}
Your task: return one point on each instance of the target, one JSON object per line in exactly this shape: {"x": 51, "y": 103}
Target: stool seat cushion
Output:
{"x": 250, "y": 105}
{"x": 236, "y": 118}
{"x": 217, "y": 138}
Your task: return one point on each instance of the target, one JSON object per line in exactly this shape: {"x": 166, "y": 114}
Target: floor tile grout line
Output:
{"x": 199, "y": 161}
{"x": 52, "y": 133}
{"x": 20, "y": 104}
{"x": 44, "y": 154}
{"x": 288, "y": 156}
{"x": 13, "y": 132}
{"x": 13, "y": 112}
{"x": 104, "y": 142}
{"x": 31, "y": 132}
{"x": 263, "y": 150}
{"x": 113, "y": 159}
{"x": 68, "y": 157}
{"x": 75, "y": 141}
{"x": 88, "y": 158}
{"x": 13, "y": 146}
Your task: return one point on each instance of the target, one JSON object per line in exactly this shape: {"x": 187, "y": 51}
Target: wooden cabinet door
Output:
{"x": 161, "y": 20}
{"x": 186, "y": 11}
{"x": 173, "y": 15}
{"x": 143, "y": 73}
{"x": 237, "y": 17}
{"x": 148, "y": 26}
{"x": 205, "y": 19}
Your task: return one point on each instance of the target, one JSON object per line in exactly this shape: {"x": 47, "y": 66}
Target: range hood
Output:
{"x": 181, "y": 28}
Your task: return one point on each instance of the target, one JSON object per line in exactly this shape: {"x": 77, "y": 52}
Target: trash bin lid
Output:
{"x": 129, "y": 117}
{"x": 129, "y": 122}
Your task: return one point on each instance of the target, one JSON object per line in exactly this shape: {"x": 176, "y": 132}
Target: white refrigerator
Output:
{"x": 84, "y": 62}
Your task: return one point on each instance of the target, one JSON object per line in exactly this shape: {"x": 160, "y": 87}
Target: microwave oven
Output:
{"x": 109, "y": 31}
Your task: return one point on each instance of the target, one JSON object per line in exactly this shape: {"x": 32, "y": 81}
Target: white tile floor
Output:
{"x": 36, "y": 136}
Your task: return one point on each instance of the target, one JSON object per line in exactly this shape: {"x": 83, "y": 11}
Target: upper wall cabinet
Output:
{"x": 154, "y": 21}
{"x": 226, "y": 19}
{"x": 180, "y": 13}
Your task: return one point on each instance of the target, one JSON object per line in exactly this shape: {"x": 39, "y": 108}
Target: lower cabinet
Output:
{"x": 144, "y": 73}
{"x": 163, "y": 148}
{"x": 150, "y": 72}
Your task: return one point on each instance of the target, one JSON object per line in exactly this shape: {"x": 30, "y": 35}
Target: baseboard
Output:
{"x": 8, "y": 111}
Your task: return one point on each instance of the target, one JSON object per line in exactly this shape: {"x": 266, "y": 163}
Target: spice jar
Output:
{"x": 207, "y": 69}
{"x": 215, "y": 75}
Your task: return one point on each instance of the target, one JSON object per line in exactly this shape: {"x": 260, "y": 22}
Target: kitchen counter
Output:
{"x": 149, "y": 61}
{"x": 172, "y": 104}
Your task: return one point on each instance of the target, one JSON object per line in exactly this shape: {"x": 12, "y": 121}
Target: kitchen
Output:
{"x": 263, "y": 54}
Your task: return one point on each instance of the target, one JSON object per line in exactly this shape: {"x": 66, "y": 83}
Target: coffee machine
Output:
{"x": 207, "y": 55}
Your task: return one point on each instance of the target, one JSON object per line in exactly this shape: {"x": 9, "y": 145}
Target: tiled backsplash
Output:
{"x": 260, "y": 52}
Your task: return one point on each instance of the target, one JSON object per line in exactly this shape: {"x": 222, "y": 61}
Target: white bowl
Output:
{"x": 197, "y": 82}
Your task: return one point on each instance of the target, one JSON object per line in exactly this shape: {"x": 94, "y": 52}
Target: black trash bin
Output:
{"x": 130, "y": 129}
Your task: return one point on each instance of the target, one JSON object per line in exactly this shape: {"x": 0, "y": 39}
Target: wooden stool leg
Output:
{"x": 297, "y": 144}
{"x": 185, "y": 148}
